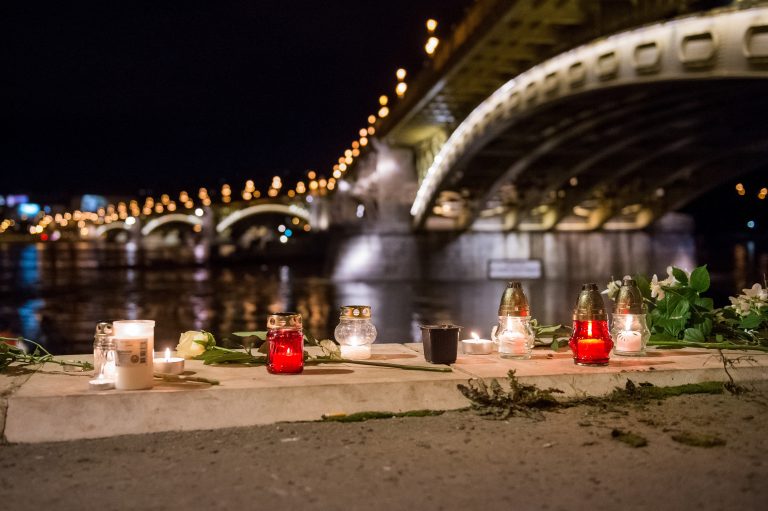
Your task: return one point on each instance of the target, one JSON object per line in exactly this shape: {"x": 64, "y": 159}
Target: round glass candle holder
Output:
{"x": 591, "y": 342}
{"x": 514, "y": 336}
{"x": 355, "y": 332}
{"x": 630, "y": 333}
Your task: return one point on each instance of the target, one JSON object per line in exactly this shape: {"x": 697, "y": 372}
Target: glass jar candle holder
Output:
{"x": 629, "y": 328}
{"x": 355, "y": 332}
{"x": 286, "y": 343}
{"x": 135, "y": 345}
{"x": 590, "y": 342}
{"x": 514, "y": 333}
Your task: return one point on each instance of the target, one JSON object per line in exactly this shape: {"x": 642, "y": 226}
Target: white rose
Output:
{"x": 187, "y": 346}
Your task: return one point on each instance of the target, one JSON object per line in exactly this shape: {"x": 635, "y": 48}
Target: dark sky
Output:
{"x": 113, "y": 97}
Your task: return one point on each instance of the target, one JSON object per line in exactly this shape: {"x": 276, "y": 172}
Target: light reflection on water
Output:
{"x": 56, "y": 293}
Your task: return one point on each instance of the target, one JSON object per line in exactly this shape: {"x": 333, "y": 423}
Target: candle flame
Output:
{"x": 167, "y": 354}
{"x": 589, "y": 328}
{"x": 628, "y": 322}
{"x": 475, "y": 336}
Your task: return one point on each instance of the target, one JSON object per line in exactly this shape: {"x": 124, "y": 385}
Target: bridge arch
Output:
{"x": 168, "y": 219}
{"x": 263, "y": 209}
{"x": 725, "y": 45}
{"x": 105, "y": 228}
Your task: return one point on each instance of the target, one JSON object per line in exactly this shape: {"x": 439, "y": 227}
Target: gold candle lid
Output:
{"x": 284, "y": 320}
{"x": 590, "y": 305}
{"x": 630, "y": 300}
{"x": 355, "y": 312}
{"x": 513, "y": 301}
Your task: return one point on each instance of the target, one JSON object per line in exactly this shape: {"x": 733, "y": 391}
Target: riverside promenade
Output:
{"x": 53, "y": 405}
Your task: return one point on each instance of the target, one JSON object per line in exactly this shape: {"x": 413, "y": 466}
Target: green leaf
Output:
{"x": 678, "y": 307}
{"x": 671, "y": 326}
{"x": 706, "y": 303}
{"x": 680, "y": 276}
{"x": 693, "y": 334}
{"x": 700, "y": 279}
{"x": 750, "y": 321}
{"x": 719, "y": 337}
{"x": 644, "y": 285}
{"x": 706, "y": 327}
{"x": 261, "y": 334}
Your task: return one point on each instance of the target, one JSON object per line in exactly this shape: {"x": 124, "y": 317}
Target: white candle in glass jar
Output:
{"x": 360, "y": 352}
{"x": 629, "y": 341}
{"x": 135, "y": 342}
{"x": 513, "y": 342}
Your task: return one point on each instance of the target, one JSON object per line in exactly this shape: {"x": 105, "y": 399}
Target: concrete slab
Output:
{"x": 52, "y": 405}
{"x": 660, "y": 367}
{"x": 55, "y": 406}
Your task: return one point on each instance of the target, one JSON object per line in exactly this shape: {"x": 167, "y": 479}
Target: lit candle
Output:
{"x": 135, "y": 342}
{"x": 355, "y": 349}
{"x": 169, "y": 364}
{"x": 629, "y": 340}
{"x": 513, "y": 342}
{"x": 476, "y": 346}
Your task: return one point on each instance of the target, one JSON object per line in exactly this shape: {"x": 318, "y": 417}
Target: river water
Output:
{"x": 56, "y": 293}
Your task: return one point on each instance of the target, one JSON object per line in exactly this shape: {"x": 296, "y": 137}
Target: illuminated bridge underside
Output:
{"x": 263, "y": 209}
{"x": 611, "y": 134}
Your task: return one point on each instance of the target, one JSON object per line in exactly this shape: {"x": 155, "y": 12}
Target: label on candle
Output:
{"x": 132, "y": 353}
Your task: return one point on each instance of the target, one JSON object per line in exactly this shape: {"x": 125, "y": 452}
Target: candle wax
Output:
{"x": 361, "y": 352}
{"x": 629, "y": 341}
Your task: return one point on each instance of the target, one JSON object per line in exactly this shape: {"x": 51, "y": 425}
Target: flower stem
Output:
{"x": 437, "y": 369}
{"x": 707, "y": 345}
{"x": 31, "y": 359}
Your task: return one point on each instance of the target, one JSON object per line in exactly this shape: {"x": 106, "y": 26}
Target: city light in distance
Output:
{"x": 383, "y": 112}
{"x": 371, "y": 119}
{"x": 431, "y": 45}
{"x": 400, "y": 89}
{"x": 283, "y": 239}
{"x": 199, "y": 212}
{"x": 751, "y": 224}
{"x": 431, "y": 25}
{"x": 400, "y": 74}
{"x": 383, "y": 100}
{"x": 130, "y": 220}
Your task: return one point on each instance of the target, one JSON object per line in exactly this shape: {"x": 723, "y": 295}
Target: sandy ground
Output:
{"x": 455, "y": 461}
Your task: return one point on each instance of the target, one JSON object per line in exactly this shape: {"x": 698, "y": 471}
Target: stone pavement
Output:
{"x": 51, "y": 405}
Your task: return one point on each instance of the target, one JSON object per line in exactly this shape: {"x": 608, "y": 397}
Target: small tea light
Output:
{"x": 169, "y": 364}
{"x": 476, "y": 346}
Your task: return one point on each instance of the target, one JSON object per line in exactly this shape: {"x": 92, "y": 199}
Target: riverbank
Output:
{"x": 569, "y": 460}
{"x": 249, "y": 396}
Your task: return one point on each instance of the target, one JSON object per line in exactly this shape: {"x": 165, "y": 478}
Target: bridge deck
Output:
{"x": 53, "y": 406}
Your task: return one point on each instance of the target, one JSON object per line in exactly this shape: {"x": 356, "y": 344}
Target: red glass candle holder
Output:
{"x": 286, "y": 344}
{"x": 591, "y": 342}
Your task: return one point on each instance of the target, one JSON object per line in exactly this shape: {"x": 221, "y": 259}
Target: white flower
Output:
{"x": 612, "y": 289}
{"x": 656, "y": 290}
{"x": 756, "y": 291}
{"x": 188, "y": 347}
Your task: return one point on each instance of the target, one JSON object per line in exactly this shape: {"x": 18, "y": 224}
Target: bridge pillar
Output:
{"x": 396, "y": 185}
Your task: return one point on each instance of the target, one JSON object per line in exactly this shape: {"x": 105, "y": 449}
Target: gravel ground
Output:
{"x": 569, "y": 460}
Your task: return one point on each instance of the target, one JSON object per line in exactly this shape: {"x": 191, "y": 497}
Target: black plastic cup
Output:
{"x": 441, "y": 343}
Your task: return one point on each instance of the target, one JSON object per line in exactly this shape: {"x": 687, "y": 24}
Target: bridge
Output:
{"x": 531, "y": 116}
{"x": 578, "y": 116}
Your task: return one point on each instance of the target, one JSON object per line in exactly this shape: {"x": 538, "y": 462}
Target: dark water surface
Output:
{"x": 56, "y": 293}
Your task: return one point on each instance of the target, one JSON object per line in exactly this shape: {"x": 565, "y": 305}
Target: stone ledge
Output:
{"x": 55, "y": 406}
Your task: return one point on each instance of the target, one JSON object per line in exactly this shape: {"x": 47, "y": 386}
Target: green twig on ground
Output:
{"x": 10, "y": 354}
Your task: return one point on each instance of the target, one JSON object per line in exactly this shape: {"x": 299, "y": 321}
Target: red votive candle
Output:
{"x": 286, "y": 343}
{"x": 591, "y": 342}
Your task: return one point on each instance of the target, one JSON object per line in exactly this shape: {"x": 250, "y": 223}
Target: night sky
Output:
{"x": 124, "y": 97}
